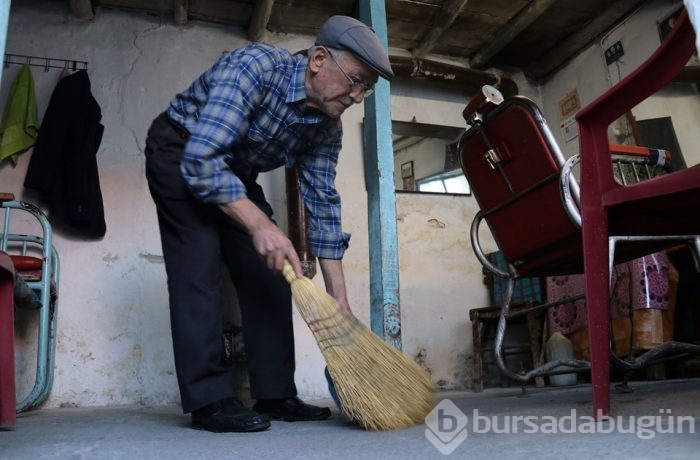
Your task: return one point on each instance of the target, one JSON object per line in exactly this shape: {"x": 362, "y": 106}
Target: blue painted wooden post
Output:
{"x": 4, "y": 18}
{"x": 379, "y": 176}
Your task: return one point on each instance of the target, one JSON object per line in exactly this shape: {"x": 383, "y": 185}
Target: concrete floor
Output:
{"x": 162, "y": 432}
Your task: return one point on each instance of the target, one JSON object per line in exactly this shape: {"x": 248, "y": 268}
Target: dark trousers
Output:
{"x": 196, "y": 239}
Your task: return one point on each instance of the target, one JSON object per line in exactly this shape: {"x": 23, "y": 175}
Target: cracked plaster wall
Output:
{"x": 113, "y": 328}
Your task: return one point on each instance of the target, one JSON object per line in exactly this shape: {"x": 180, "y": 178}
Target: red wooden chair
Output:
{"x": 529, "y": 200}
{"x": 666, "y": 207}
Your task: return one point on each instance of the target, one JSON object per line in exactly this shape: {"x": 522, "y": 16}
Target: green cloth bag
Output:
{"x": 20, "y": 124}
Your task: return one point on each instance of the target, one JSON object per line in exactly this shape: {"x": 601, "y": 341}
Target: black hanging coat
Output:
{"x": 63, "y": 166}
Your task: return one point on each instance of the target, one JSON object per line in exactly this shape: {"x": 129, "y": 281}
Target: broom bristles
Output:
{"x": 377, "y": 385}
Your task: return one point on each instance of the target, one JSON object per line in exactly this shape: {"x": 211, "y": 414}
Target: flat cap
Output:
{"x": 345, "y": 32}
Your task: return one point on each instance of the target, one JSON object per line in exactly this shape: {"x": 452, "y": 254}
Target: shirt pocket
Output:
{"x": 258, "y": 134}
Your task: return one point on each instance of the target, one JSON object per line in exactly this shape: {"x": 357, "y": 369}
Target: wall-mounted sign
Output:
{"x": 569, "y": 105}
{"x": 569, "y": 129}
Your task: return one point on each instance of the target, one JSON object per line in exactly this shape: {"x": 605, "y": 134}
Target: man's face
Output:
{"x": 336, "y": 80}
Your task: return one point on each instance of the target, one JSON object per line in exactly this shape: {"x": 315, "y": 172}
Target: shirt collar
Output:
{"x": 296, "y": 93}
{"x": 297, "y": 86}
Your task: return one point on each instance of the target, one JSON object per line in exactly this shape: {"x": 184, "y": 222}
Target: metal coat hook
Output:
{"x": 45, "y": 62}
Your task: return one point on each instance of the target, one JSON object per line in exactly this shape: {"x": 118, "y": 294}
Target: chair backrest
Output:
{"x": 26, "y": 235}
{"x": 513, "y": 166}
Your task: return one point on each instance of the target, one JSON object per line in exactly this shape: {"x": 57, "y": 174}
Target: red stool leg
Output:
{"x": 597, "y": 276}
{"x": 8, "y": 404}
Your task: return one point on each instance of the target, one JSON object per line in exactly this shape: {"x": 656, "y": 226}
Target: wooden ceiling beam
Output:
{"x": 468, "y": 80}
{"x": 82, "y": 9}
{"x": 510, "y": 31}
{"x": 444, "y": 19}
{"x": 566, "y": 50}
{"x": 259, "y": 19}
{"x": 180, "y": 12}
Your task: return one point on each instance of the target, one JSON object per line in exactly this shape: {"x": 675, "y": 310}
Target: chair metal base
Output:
{"x": 47, "y": 289}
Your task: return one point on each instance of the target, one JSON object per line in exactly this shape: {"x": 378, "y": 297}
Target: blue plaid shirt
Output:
{"x": 247, "y": 114}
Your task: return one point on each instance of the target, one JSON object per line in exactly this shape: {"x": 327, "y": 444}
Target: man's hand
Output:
{"x": 270, "y": 242}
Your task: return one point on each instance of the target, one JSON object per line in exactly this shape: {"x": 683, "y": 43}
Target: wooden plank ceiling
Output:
{"x": 535, "y": 36}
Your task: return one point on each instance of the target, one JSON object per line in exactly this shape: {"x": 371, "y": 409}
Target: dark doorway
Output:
{"x": 659, "y": 133}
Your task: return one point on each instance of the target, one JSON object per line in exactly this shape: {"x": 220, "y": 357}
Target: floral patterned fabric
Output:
{"x": 641, "y": 283}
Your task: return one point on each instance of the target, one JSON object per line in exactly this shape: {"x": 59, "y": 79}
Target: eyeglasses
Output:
{"x": 367, "y": 90}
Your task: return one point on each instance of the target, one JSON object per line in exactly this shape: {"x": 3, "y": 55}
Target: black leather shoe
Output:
{"x": 291, "y": 410}
{"x": 228, "y": 416}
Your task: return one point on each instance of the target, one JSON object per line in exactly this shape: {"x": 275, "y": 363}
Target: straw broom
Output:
{"x": 377, "y": 385}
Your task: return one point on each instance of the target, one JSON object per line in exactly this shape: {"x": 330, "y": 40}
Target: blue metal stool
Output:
{"x": 37, "y": 264}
